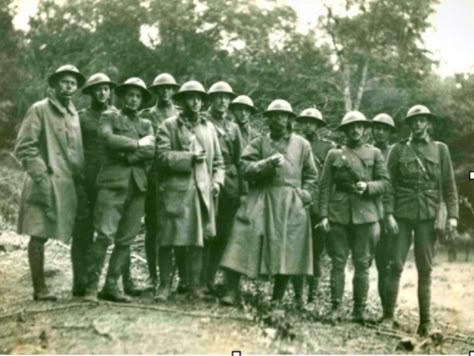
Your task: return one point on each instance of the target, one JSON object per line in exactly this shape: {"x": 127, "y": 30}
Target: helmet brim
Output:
{"x": 316, "y": 120}
{"x": 55, "y": 76}
{"x": 180, "y": 95}
{"x": 428, "y": 115}
{"x": 120, "y": 91}
{"x": 365, "y": 122}
{"x": 372, "y": 123}
{"x": 250, "y": 107}
{"x": 291, "y": 113}
{"x": 232, "y": 95}
{"x": 87, "y": 88}
{"x": 152, "y": 88}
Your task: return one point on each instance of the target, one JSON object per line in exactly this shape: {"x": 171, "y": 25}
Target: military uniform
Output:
{"x": 122, "y": 184}
{"x": 354, "y": 218}
{"x": 414, "y": 203}
{"x": 83, "y": 232}
{"x": 156, "y": 115}
{"x": 230, "y": 142}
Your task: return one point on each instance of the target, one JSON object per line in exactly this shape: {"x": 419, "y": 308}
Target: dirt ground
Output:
{"x": 70, "y": 326}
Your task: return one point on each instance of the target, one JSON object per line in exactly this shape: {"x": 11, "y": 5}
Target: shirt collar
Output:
{"x": 53, "y": 100}
{"x": 183, "y": 120}
{"x": 423, "y": 139}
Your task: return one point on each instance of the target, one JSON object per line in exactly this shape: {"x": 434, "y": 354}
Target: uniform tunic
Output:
{"x": 272, "y": 228}
{"x": 186, "y": 207}
{"x": 49, "y": 146}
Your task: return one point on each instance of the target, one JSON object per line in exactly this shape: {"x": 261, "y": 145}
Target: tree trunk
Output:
{"x": 361, "y": 89}
{"x": 347, "y": 87}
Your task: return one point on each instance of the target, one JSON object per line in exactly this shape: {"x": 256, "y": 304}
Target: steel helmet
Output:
{"x": 192, "y": 86}
{"x": 419, "y": 110}
{"x": 312, "y": 113}
{"x": 67, "y": 69}
{"x": 164, "y": 79}
{"x": 243, "y": 100}
{"x": 133, "y": 82}
{"x": 384, "y": 119}
{"x": 351, "y": 117}
{"x": 96, "y": 79}
{"x": 280, "y": 105}
{"x": 221, "y": 87}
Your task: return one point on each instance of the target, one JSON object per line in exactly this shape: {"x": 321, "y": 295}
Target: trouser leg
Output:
{"x": 400, "y": 246}
{"x": 36, "y": 262}
{"x": 151, "y": 246}
{"x": 319, "y": 243}
{"x": 360, "y": 243}
{"x": 338, "y": 249}
{"x": 119, "y": 257}
{"x": 382, "y": 262}
{"x": 95, "y": 264}
{"x": 279, "y": 287}
{"x": 232, "y": 281}
{"x": 180, "y": 254}
{"x": 424, "y": 250}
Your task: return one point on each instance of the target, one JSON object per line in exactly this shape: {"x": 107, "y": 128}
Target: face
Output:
{"x": 381, "y": 132}
{"x": 278, "y": 122}
{"x": 192, "y": 102}
{"x": 220, "y": 102}
{"x": 132, "y": 98}
{"x": 242, "y": 114}
{"x": 165, "y": 93}
{"x": 355, "y": 131}
{"x": 419, "y": 125}
{"x": 308, "y": 127}
{"x": 101, "y": 93}
{"x": 66, "y": 86}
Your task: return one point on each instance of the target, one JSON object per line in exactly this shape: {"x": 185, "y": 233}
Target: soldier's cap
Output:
{"x": 221, "y": 87}
{"x": 192, "y": 86}
{"x": 353, "y": 117}
{"x": 67, "y": 69}
{"x": 163, "y": 80}
{"x": 97, "y": 79}
{"x": 419, "y": 110}
{"x": 133, "y": 82}
{"x": 384, "y": 119}
{"x": 243, "y": 100}
{"x": 279, "y": 105}
{"x": 314, "y": 114}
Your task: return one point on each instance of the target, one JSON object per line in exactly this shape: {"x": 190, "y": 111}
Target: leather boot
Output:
{"x": 298, "y": 285}
{"x": 424, "y": 301}
{"x": 95, "y": 265}
{"x": 279, "y": 287}
{"x": 313, "y": 287}
{"x": 180, "y": 258}
{"x": 231, "y": 295}
{"x": 110, "y": 291}
{"x": 129, "y": 286}
{"x": 166, "y": 270}
{"x": 337, "y": 287}
{"x": 195, "y": 264}
{"x": 360, "y": 287}
{"x": 36, "y": 262}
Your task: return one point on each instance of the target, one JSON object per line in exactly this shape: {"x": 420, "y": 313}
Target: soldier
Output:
{"x": 242, "y": 109}
{"x": 122, "y": 182}
{"x": 49, "y": 147}
{"x": 99, "y": 87}
{"x": 382, "y": 128}
{"x": 272, "y": 229}
{"x": 353, "y": 178}
{"x": 422, "y": 176}
{"x": 164, "y": 86}
{"x": 230, "y": 141}
{"x": 191, "y": 175}
{"x": 310, "y": 122}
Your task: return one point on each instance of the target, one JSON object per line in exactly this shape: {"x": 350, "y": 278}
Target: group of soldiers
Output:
{"x": 216, "y": 194}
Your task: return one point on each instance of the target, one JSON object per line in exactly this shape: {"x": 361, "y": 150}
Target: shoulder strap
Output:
{"x": 418, "y": 159}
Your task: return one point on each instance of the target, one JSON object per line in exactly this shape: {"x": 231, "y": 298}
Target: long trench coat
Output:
{"x": 186, "y": 206}
{"x": 49, "y": 146}
{"x": 272, "y": 228}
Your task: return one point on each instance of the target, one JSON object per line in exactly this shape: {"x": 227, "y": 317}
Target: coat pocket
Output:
{"x": 41, "y": 193}
{"x": 174, "y": 202}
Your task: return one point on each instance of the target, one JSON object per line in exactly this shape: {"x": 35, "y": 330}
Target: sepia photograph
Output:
{"x": 237, "y": 177}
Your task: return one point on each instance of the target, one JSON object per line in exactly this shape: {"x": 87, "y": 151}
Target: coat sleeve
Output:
{"x": 310, "y": 172}
{"x": 448, "y": 182}
{"x": 392, "y": 162}
{"x": 218, "y": 168}
{"x": 167, "y": 158}
{"x": 252, "y": 166}
{"x": 27, "y": 148}
{"x": 325, "y": 185}
{"x": 143, "y": 153}
{"x": 381, "y": 179}
{"x": 111, "y": 140}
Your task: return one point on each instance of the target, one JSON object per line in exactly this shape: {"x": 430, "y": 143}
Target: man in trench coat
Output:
{"x": 271, "y": 234}
{"x": 122, "y": 182}
{"x": 191, "y": 175}
{"x": 163, "y": 86}
{"x": 49, "y": 147}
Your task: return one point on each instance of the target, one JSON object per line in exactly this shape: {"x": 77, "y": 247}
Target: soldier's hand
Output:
{"x": 277, "y": 159}
{"x": 325, "y": 224}
{"x": 216, "y": 188}
{"x": 452, "y": 225}
{"x": 391, "y": 224}
{"x": 199, "y": 157}
{"x": 361, "y": 187}
{"x": 146, "y": 141}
